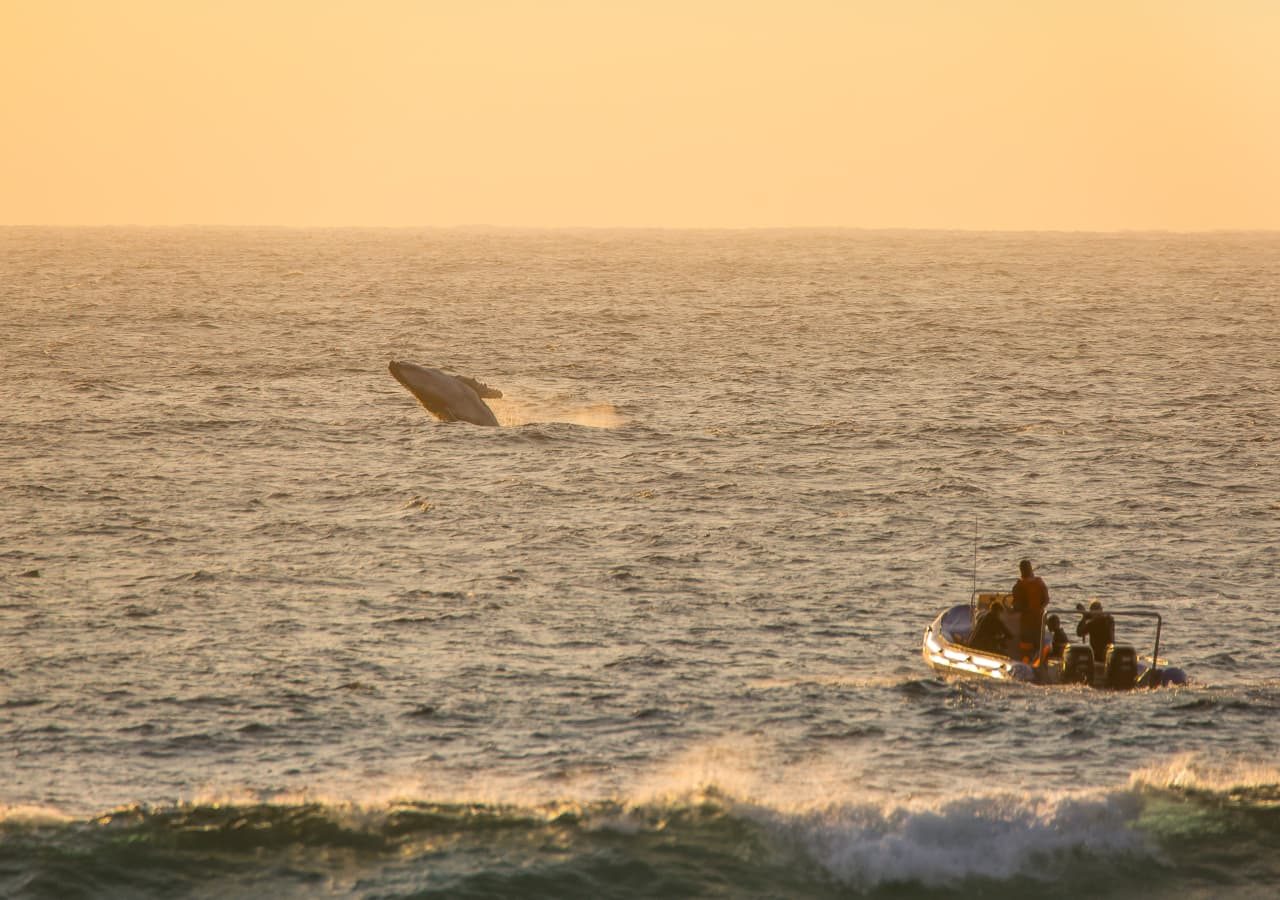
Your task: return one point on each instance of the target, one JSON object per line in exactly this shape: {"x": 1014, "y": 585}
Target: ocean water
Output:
{"x": 267, "y": 628}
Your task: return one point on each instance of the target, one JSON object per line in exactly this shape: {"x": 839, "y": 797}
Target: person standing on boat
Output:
{"x": 1030, "y": 597}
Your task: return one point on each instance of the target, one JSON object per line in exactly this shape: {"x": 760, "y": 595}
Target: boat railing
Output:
{"x": 1145, "y": 614}
{"x": 1137, "y": 613}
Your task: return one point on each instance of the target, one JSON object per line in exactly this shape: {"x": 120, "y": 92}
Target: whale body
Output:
{"x": 450, "y": 398}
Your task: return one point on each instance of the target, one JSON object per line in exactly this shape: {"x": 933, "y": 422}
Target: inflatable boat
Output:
{"x": 947, "y": 651}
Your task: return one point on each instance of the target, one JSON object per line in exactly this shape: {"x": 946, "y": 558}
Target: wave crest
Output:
{"x": 1172, "y": 826}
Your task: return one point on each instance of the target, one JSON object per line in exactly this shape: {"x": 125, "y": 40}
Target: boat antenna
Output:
{"x": 975, "y": 561}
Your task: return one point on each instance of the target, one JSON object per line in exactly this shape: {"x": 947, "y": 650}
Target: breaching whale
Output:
{"x": 450, "y": 398}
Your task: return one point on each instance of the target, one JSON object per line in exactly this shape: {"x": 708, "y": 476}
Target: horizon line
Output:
{"x": 480, "y": 226}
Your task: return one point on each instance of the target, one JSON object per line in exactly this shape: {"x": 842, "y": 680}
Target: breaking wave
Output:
{"x": 1181, "y": 824}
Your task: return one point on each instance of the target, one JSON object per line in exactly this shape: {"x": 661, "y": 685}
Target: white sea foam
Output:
{"x": 1196, "y": 771}
{"x": 991, "y": 835}
{"x": 866, "y": 838}
{"x": 514, "y": 412}
{"x": 32, "y": 814}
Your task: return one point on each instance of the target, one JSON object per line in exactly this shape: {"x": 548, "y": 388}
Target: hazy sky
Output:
{"x": 902, "y": 113}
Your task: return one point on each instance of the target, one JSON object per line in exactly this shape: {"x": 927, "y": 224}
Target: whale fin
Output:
{"x": 479, "y": 386}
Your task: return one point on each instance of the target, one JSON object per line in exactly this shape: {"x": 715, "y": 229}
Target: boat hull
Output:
{"x": 945, "y": 654}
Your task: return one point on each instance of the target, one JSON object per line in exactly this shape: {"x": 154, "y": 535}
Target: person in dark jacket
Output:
{"x": 1099, "y": 628}
{"x": 1060, "y": 639}
{"x": 1030, "y": 597}
{"x": 990, "y": 634}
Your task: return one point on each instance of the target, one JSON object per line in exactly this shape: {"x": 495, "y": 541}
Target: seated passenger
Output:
{"x": 1100, "y": 629}
{"x": 990, "y": 634}
{"x": 1060, "y": 639}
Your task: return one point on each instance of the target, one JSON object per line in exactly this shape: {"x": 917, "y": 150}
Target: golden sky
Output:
{"x": 1006, "y": 114}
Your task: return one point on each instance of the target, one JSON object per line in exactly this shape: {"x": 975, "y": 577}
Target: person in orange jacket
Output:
{"x": 1030, "y": 597}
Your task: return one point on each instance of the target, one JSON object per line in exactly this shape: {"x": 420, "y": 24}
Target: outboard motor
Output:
{"x": 1121, "y": 667}
{"x": 1077, "y": 664}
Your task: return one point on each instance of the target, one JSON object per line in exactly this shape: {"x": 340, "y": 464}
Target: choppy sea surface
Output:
{"x": 267, "y": 628}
